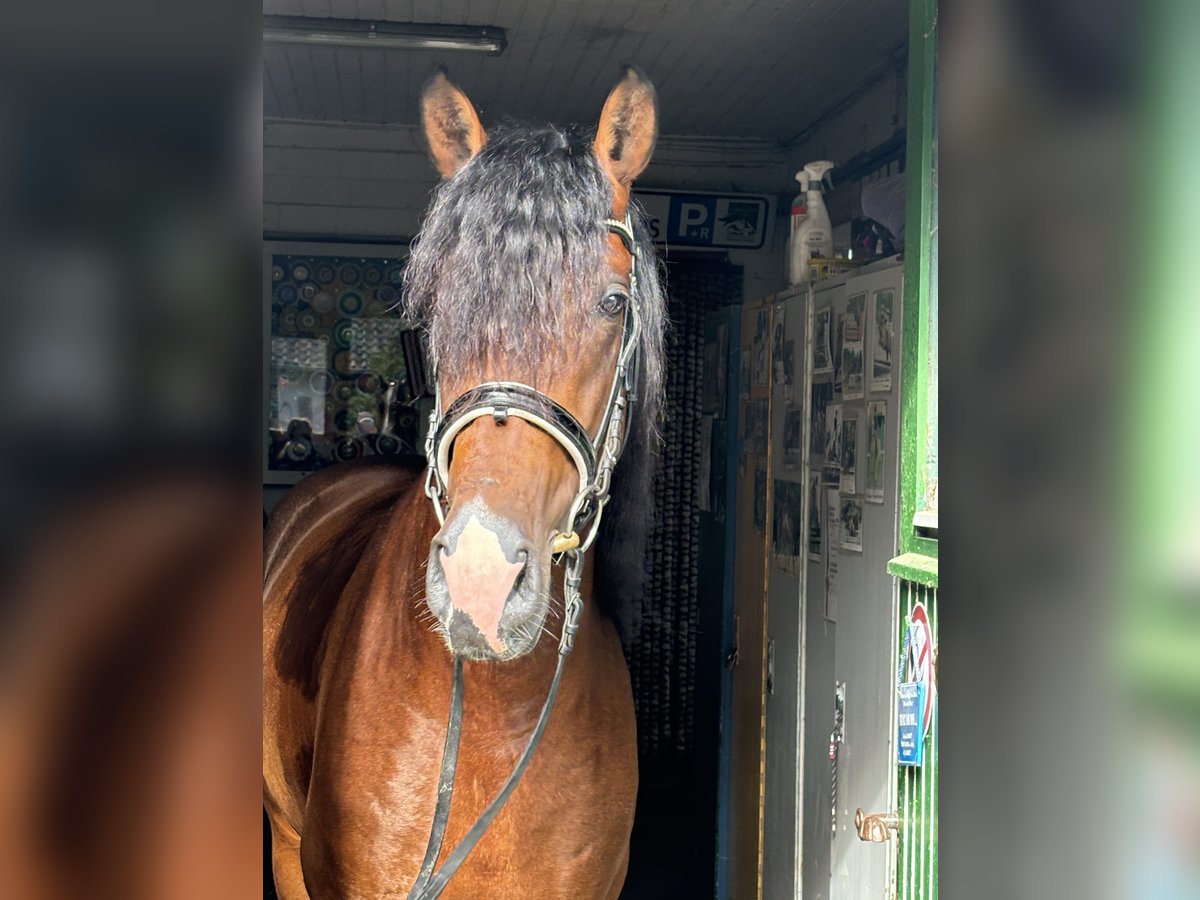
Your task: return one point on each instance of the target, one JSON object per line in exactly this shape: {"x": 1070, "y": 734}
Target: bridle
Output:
{"x": 594, "y": 458}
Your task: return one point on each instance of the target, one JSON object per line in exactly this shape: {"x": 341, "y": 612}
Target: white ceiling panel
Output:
{"x": 762, "y": 68}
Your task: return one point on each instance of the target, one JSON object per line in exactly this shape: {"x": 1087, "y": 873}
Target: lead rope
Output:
{"x": 445, "y": 790}
{"x": 429, "y": 884}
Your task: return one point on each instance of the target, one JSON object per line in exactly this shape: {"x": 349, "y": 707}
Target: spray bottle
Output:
{"x": 812, "y": 234}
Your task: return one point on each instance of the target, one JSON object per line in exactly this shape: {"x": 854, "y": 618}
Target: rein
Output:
{"x": 594, "y": 458}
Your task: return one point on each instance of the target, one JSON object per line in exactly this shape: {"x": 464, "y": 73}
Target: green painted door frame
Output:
{"x": 918, "y": 366}
{"x": 916, "y": 568}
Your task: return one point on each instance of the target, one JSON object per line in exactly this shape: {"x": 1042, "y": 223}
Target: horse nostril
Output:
{"x": 437, "y": 548}
{"x": 522, "y": 556}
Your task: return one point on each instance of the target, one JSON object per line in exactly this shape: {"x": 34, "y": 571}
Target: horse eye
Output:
{"x": 614, "y": 301}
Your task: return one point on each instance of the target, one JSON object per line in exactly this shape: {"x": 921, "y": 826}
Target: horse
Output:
{"x": 412, "y": 613}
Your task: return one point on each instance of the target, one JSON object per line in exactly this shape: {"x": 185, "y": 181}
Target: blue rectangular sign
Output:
{"x": 910, "y": 708}
{"x": 707, "y": 221}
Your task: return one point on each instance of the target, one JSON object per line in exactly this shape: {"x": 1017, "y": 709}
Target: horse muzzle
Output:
{"x": 488, "y": 585}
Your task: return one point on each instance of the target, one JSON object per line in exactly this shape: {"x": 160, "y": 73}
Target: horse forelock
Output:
{"x": 508, "y": 248}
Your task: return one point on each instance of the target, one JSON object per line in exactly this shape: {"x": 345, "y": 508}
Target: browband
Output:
{"x": 624, "y": 232}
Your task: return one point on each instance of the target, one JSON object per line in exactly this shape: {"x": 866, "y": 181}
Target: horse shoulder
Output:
{"x": 314, "y": 543}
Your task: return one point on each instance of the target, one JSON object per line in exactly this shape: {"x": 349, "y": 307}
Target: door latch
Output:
{"x": 875, "y": 827}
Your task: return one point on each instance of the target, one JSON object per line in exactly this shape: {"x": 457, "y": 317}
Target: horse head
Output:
{"x": 524, "y": 272}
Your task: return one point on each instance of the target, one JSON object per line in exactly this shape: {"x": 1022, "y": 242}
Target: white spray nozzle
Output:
{"x": 816, "y": 171}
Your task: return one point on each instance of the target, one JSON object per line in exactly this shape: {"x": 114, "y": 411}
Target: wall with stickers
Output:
{"x": 344, "y": 373}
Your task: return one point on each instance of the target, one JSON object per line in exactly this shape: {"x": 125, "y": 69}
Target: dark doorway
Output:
{"x": 675, "y": 652}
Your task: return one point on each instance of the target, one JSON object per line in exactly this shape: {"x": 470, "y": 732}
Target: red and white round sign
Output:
{"x": 920, "y": 659}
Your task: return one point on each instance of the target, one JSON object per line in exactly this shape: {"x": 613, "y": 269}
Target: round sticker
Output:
{"x": 350, "y": 303}
{"x": 300, "y": 272}
{"x": 366, "y": 423}
{"x": 321, "y": 382}
{"x": 921, "y": 648}
{"x": 324, "y": 273}
{"x": 349, "y": 448}
{"x": 349, "y": 273}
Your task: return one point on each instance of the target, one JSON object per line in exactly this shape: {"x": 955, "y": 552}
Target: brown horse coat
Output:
{"x": 356, "y": 697}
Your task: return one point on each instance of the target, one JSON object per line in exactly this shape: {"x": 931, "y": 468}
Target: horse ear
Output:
{"x": 452, "y": 126}
{"x": 628, "y": 128}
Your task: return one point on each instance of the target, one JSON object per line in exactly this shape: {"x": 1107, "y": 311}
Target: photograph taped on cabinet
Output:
{"x": 815, "y": 516}
{"x": 876, "y": 445}
{"x": 785, "y": 525}
{"x": 822, "y": 396}
{"x": 881, "y": 342}
{"x": 849, "y": 455}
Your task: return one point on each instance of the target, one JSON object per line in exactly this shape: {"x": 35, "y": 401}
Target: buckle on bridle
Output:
{"x": 564, "y": 542}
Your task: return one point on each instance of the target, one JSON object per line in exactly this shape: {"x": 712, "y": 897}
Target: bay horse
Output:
{"x": 403, "y": 612}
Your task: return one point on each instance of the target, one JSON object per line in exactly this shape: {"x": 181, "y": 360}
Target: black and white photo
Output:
{"x": 849, "y": 454}
{"x": 851, "y": 522}
{"x": 881, "y": 341}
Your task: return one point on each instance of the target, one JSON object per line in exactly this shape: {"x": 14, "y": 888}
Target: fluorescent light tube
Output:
{"x": 382, "y": 35}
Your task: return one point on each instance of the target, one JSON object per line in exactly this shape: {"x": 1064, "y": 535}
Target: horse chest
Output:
{"x": 565, "y": 830}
